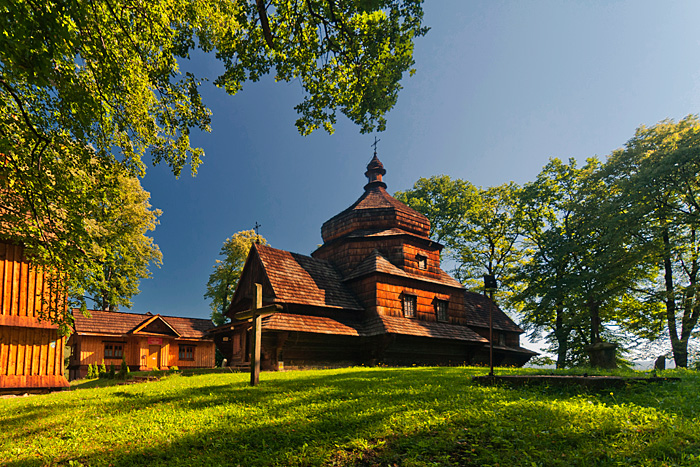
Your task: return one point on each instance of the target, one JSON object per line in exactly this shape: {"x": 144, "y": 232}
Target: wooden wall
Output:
{"x": 31, "y": 351}
{"x": 90, "y": 349}
{"x": 383, "y": 294}
{"x": 24, "y": 290}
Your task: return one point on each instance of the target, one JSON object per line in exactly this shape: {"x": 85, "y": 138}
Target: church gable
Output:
{"x": 291, "y": 278}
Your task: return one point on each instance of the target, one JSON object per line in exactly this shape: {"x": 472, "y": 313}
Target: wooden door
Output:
{"x": 154, "y": 356}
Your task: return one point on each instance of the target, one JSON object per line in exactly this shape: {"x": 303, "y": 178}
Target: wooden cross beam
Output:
{"x": 257, "y": 312}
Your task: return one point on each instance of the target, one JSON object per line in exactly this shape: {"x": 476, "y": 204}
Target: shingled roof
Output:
{"x": 116, "y": 323}
{"x": 376, "y": 262}
{"x": 375, "y": 209}
{"x": 315, "y": 324}
{"x": 381, "y": 324}
{"x": 305, "y": 280}
{"x": 478, "y": 307}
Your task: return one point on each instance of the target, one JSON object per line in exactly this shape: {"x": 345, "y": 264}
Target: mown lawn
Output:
{"x": 356, "y": 416}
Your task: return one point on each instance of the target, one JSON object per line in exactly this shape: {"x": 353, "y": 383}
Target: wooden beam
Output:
{"x": 256, "y": 334}
{"x": 263, "y": 311}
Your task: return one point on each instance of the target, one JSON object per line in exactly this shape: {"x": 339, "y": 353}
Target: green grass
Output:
{"x": 356, "y": 416}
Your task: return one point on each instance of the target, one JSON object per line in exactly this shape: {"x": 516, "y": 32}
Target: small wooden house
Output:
{"x": 373, "y": 292}
{"x": 143, "y": 341}
{"x": 31, "y": 349}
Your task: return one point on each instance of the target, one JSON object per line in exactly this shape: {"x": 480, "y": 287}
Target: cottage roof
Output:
{"x": 305, "y": 280}
{"x": 120, "y": 323}
{"x": 375, "y": 209}
{"x": 376, "y": 262}
{"x": 478, "y": 307}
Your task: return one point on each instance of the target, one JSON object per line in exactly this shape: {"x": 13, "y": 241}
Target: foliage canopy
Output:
{"x": 92, "y": 89}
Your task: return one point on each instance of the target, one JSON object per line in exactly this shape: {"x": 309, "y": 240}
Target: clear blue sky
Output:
{"x": 500, "y": 88}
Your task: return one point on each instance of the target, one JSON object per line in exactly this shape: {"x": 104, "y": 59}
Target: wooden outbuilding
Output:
{"x": 373, "y": 292}
{"x": 31, "y": 349}
{"x": 143, "y": 341}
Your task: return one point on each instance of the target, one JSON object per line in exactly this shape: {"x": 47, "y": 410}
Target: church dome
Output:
{"x": 375, "y": 210}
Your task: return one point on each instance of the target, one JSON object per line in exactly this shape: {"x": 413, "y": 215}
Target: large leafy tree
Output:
{"x": 658, "y": 177}
{"x": 479, "y": 226}
{"x": 121, "y": 244}
{"x": 90, "y": 87}
{"x": 578, "y": 270}
{"x": 224, "y": 280}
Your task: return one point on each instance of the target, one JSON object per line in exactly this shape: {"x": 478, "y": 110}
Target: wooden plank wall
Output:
{"x": 31, "y": 357}
{"x": 31, "y": 352}
{"x": 136, "y": 348}
{"x": 24, "y": 291}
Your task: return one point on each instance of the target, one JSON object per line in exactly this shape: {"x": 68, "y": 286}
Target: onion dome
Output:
{"x": 376, "y": 210}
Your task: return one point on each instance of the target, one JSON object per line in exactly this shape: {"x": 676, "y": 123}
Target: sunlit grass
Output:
{"x": 357, "y": 416}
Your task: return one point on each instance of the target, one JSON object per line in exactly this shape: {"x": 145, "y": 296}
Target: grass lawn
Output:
{"x": 356, "y": 416}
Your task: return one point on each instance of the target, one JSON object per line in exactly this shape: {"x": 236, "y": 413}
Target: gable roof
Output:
{"x": 152, "y": 323}
{"x": 117, "y": 323}
{"x": 478, "y": 309}
{"x": 304, "y": 280}
{"x": 376, "y": 262}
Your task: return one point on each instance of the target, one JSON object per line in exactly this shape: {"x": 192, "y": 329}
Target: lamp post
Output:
{"x": 491, "y": 285}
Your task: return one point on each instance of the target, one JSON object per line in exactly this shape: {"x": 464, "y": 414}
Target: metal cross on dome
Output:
{"x": 374, "y": 145}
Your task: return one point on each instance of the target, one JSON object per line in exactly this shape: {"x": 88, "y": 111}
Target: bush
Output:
{"x": 102, "y": 372}
{"x": 111, "y": 373}
{"x": 123, "y": 370}
{"x": 92, "y": 371}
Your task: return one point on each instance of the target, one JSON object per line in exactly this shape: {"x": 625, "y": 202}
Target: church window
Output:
{"x": 441, "y": 310}
{"x": 422, "y": 262}
{"x": 186, "y": 352}
{"x": 409, "y": 306}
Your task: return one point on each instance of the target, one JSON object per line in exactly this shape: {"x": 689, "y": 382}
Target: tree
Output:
{"x": 580, "y": 269}
{"x": 87, "y": 87}
{"x": 121, "y": 245}
{"x": 658, "y": 177}
{"x": 478, "y": 226}
{"x": 224, "y": 280}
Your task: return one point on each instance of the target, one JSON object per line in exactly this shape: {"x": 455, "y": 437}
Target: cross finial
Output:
{"x": 257, "y": 233}
{"x": 375, "y": 145}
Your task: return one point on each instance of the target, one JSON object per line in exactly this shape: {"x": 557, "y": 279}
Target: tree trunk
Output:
{"x": 594, "y": 313}
{"x": 562, "y": 336}
{"x": 680, "y": 348}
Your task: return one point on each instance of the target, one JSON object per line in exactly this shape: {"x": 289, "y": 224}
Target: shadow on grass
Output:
{"x": 422, "y": 416}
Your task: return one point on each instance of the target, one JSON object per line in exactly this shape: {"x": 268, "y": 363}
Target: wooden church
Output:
{"x": 372, "y": 293}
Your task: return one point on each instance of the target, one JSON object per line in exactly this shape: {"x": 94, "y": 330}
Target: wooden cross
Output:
{"x": 257, "y": 312}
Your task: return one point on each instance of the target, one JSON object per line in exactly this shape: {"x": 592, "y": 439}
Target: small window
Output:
{"x": 409, "y": 306}
{"x": 186, "y": 352}
{"x": 114, "y": 351}
{"x": 441, "y": 310}
{"x": 422, "y": 262}
{"x": 501, "y": 339}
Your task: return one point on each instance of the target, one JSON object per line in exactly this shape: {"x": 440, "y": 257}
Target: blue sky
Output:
{"x": 500, "y": 87}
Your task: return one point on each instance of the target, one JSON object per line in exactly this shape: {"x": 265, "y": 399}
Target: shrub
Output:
{"x": 102, "y": 372}
{"x": 92, "y": 373}
{"x": 111, "y": 373}
{"x": 123, "y": 370}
